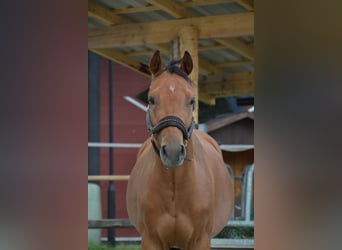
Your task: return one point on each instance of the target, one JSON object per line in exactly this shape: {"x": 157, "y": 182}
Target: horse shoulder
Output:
{"x": 144, "y": 147}
{"x": 207, "y": 138}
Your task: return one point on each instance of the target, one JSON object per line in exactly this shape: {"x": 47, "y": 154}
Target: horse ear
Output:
{"x": 186, "y": 64}
{"x": 156, "y": 62}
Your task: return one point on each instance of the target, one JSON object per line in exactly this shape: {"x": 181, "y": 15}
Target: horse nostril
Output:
{"x": 182, "y": 151}
{"x": 163, "y": 150}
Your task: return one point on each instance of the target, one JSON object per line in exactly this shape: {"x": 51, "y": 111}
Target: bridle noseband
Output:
{"x": 168, "y": 121}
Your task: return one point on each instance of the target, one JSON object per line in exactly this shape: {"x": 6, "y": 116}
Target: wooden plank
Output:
{"x": 238, "y": 46}
{"x": 108, "y": 177}
{"x": 173, "y": 8}
{"x": 124, "y": 60}
{"x": 104, "y": 14}
{"x": 232, "y": 25}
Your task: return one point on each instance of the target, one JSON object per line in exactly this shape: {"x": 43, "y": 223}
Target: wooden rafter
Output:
{"x": 212, "y": 79}
{"x": 178, "y": 10}
{"x": 238, "y": 46}
{"x": 108, "y": 17}
{"x": 173, "y": 8}
{"x": 234, "y": 64}
{"x": 124, "y": 60}
{"x": 247, "y": 4}
{"x": 104, "y": 14}
{"x": 232, "y": 25}
{"x": 184, "y": 4}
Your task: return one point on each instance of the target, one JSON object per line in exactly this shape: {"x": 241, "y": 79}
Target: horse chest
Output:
{"x": 174, "y": 195}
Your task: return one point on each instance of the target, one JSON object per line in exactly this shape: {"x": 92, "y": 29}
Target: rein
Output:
{"x": 168, "y": 121}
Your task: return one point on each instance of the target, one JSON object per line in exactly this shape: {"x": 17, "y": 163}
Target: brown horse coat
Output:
{"x": 183, "y": 206}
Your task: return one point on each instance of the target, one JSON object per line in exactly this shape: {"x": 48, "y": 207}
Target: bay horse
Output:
{"x": 179, "y": 194}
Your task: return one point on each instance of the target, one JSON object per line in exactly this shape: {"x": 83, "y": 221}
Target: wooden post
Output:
{"x": 188, "y": 40}
{"x": 174, "y": 50}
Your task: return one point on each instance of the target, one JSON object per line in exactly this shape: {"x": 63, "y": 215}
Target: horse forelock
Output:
{"x": 174, "y": 69}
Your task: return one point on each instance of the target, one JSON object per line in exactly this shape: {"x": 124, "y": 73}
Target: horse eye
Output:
{"x": 192, "y": 103}
{"x": 151, "y": 100}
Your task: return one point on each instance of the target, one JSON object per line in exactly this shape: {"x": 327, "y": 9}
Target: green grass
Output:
{"x": 236, "y": 233}
{"x": 108, "y": 247}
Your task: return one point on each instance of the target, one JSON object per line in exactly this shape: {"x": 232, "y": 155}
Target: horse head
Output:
{"x": 170, "y": 113}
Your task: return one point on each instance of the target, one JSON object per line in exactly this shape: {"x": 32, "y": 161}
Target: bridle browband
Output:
{"x": 168, "y": 121}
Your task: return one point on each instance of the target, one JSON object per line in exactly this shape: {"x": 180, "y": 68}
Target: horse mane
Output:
{"x": 174, "y": 69}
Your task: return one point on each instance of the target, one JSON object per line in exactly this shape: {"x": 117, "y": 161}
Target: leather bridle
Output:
{"x": 168, "y": 121}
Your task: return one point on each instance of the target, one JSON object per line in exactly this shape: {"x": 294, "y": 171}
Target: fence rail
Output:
{"x": 126, "y": 223}
{"x": 108, "y": 177}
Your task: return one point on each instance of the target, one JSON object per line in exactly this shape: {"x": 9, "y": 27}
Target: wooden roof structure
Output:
{"x": 219, "y": 34}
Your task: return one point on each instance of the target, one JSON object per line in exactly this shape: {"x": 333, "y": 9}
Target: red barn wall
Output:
{"x": 129, "y": 127}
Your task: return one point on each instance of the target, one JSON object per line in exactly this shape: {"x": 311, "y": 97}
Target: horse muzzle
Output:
{"x": 172, "y": 155}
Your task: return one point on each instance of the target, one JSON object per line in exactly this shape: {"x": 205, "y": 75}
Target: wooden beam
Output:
{"x": 224, "y": 121}
{"x": 177, "y": 10}
{"x": 200, "y": 48}
{"x": 184, "y": 4}
{"x": 161, "y": 47}
{"x": 238, "y": 46}
{"x": 104, "y": 14}
{"x": 211, "y": 79}
{"x": 211, "y": 47}
{"x": 234, "y": 64}
{"x": 232, "y": 25}
{"x": 210, "y": 68}
{"x": 224, "y": 89}
{"x": 124, "y": 60}
{"x": 110, "y": 18}
{"x": 207, "y": 98}
{"x": 173, "y": 8}
{"x": 135, "y": 9}
{"x": 238, "y": 84}
{"x": 204, "y": 2}
{"x": 188, "y": 41}
{"x": 247, "y": 4}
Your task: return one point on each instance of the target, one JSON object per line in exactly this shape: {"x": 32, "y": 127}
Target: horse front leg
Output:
{"x": 202, "y": 243}
{"x": 150, "y": 243}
